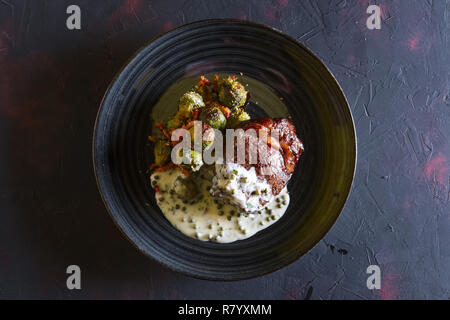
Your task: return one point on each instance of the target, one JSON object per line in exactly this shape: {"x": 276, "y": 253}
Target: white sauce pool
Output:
{"x": 206, "y": 218}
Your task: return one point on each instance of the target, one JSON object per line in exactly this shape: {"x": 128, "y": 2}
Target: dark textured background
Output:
{"x": 397, "y": 83}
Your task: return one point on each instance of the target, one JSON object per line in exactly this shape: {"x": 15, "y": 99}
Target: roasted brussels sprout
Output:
{"x": 225, "y": 110}
{"x": 191, "y": 160}
{"x": 174, "y": 122}
{"x": 231, "y": 93}
{"x": 162, "y": 152}
{"x": 214, "y": 117}
{"x": 205, "y": 92}
{"x": 185, "y": 188}
{"x": 189, "y": 102}
{"x": 236, "y": 118}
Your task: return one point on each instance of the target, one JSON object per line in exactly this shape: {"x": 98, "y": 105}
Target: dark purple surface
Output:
{"x": 397, "y": 83}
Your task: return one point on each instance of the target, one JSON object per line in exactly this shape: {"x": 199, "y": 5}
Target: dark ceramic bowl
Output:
{"x": 274, "y": 66}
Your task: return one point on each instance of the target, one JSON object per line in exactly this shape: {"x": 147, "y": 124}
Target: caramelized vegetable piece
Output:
{"x": 231, "y": 93}
{"x": 214, "y": 117}
{"x": 189, "y": 102}
{"x": 205, "y": 91}
{"x": 225, "y": 110}
{"x": 174, "y": 122}
{"x": 236, "y": 118}
{"x": 162, "y": 152}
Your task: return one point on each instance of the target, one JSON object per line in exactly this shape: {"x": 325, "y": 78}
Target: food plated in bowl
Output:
{"x": 231, "y": 196}
{"x": 286, "y": 81}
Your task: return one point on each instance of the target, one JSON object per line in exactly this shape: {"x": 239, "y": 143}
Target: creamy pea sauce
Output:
{"x": 189, "y": 206}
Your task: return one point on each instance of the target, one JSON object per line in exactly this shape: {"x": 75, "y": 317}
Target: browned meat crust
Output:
{"x": 276, "y": 162}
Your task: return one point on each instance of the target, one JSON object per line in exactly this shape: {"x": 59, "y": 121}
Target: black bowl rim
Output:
{"x": 222, "y": 20}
